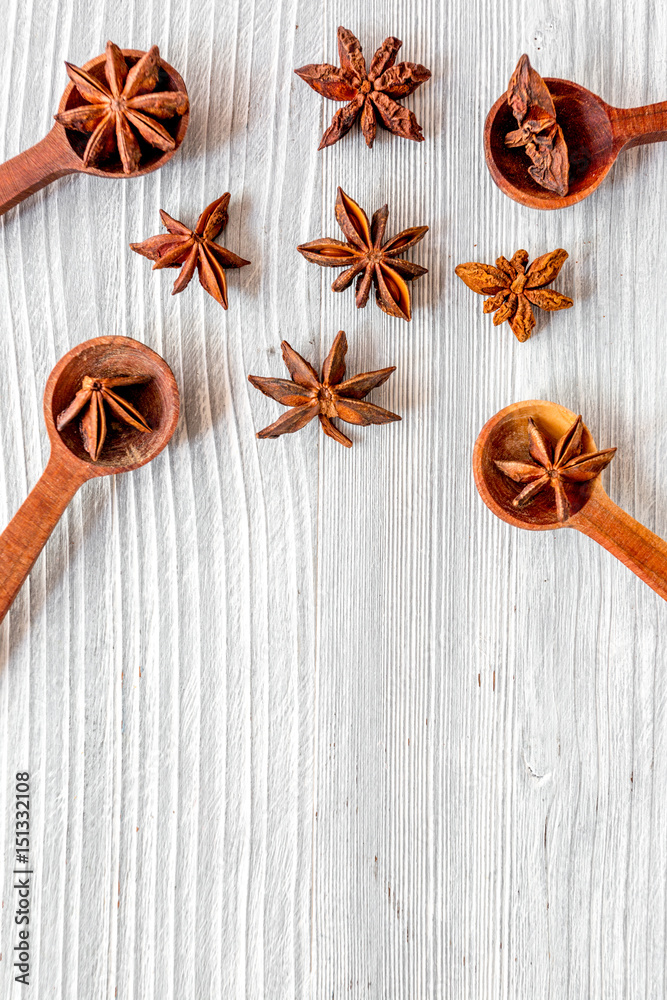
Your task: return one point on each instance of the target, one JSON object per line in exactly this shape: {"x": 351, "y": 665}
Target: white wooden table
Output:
{"x": 308, "y": 722}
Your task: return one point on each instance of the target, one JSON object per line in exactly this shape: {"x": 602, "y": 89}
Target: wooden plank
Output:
{"x": 309, "y": 722}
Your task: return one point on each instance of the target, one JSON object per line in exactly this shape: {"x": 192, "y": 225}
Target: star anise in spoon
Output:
{"x": 369, "y": 93}
{"x": 369, "y": 260}
{"x": 310, "y": 396}
{"x": 128, "y": 108}
{"x": 190, "y": 248}
{"x": 539, "y": 132}
{"x": 91, "y": 399}
{"x": 514, "y": 288}
{"x": 555, "y": 466}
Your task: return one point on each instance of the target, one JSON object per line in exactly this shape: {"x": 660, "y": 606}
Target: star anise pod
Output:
{"x": 91, "y": 399}
{"x": 128, "y": 105}
{"x": 555, "y": 466}
{"x": 539, "y": 132}
{"x": 369, "y": 93}
{"x": 368, "y": 259}
{"x": 327, "y": 397}
{"x": 515, "y": 288}
{"x": 192, "y": 248}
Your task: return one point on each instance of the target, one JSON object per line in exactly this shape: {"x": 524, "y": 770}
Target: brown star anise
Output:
{"x": 555, "y": 466}
{"x": 368, "y": 259}
{"x": 195, "y": 248}
{"x": 130, "y": 103}
{"x": 326, "y": 398}
{"x": 93, "y": 396}
{"x": 370, "y": 92}
{"x": 539, "y": 132}
{"x": 514, "y": 289}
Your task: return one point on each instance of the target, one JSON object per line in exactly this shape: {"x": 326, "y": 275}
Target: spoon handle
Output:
{"x": 641, "y": 551}
{"x": 36, "y": 167}
{"x": 637, "y": 126}
{"x": 26, "y": 534}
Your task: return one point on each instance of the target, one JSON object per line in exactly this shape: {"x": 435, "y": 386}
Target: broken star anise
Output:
{"x": 92, "y": 397}
{"x": 369, "y": 93}
{"x": 128, "y": 105}
{"x": 555, "y": 466}
{"x": 368, "y": 259}
{"x": 190, "y": 248}
{"x": 327, "y": 397}
{"x": 515, "y": 288}
{"x": 539, "y": 132}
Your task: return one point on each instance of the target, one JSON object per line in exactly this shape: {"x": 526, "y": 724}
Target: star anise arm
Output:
{"x": 364, "y": 284}
{"x": 521, "y": 472}
{"x": 523, "y": 320}
{"x": 329, "y": 253}
{"x": 342, "y": 122}
{"x": 94, "y": 426}
{"x": 291, "y": 421}
{"x": 85, "y": 118}
{"x": 379, "y": 226}
{"x": 537, "y": 445}
{"x": 173, "y": 225}
{"x": 128, "y": 147}
{"x": 368, "y": 123}
{"x": 384, "y": 58}
{"x": 403, "y": 241}
{"x": 332, "y": 431}
{"x": 90, "y": 88}
{"x": 569, "y": 445}
{"x": 214, "y": 218}
{"x": 301, "y": 370}
{"x": 392, "y": 292}
{"x": 353, "y": 221}
{"x": 360, "y": 385}
{"x": 519, "y": 261}
{"x": 224, "y": 256}
{"x": 354, "y": 411}
{"x": 188, "y": 269}
{"x": 531, "y": 491}
{"x": 161, "y": 103}
{"x": 506, "y": 309}
{"x": 101, "y": 142}
{"x": 212, "y": 275}
{"x": 547, "y": 299}
{"x": 333, "y": 369}
{"x": 124, "y": 410}
{"x": 143, "y": 76}
{"x": 482, "y": 278}
{"x": 351, "y": 58}
{"x": 81, "y": 399}
{"x": 402, "y": 79}
{"x": 562, "y": 504}
{"x": 157, "y": 246}
{"x": 544, "y": 269}
{"x": 586, "y": 467}
{"x": 347, "y": 277}
{"x": 526, "y": 87}
{"x": 175, "y": 254}
{"x": 408, "y": 269}
{"x": 150, "y": 130}
{"x": 282, "y": 390}
{"x": 116, "y": 69}
{"x": 328, "y": 81}
{"x": 397, "y": 119}
{"x": 497, "y": 300}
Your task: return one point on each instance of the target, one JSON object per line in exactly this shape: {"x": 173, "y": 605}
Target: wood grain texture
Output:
{"x": 310, "y": 722}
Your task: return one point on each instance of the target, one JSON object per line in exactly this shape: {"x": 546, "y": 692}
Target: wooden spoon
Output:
{"x": 595, "y": 134}
{"x": 592, "y": 512}
{"x": 69, "y": 465}
{"x": 61, "y": 151}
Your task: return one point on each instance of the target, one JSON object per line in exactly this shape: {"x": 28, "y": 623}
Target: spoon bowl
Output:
{"x": 60, "y": 152}
{"x": 69, "y": 465}
{"x": 505, "y": 437}
{"x": 594, "y": 131}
